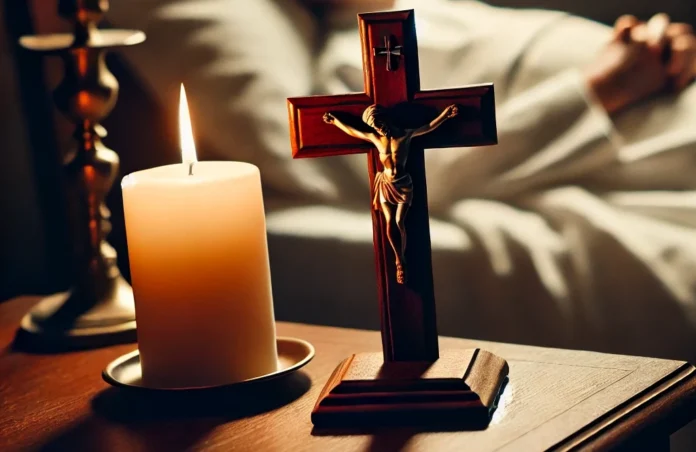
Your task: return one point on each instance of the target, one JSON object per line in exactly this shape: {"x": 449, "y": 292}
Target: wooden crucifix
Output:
{"x": 393, "y": 121}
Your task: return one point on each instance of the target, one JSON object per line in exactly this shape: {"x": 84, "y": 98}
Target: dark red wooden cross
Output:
{"x": 409, "y": 330}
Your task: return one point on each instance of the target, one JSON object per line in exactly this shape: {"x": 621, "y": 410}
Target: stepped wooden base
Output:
{"x": 459, "y": 390}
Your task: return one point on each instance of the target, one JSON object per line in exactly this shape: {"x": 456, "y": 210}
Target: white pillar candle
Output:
{"x": 200, "y": 272}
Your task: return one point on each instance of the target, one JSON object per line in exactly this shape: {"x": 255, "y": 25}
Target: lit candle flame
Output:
{"x": 188, "y": 147}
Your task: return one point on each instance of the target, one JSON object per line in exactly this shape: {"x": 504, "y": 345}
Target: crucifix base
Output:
{"x": 460, "y": 390}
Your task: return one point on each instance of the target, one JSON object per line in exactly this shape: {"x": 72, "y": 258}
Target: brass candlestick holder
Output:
{"x": 98, "y": 310}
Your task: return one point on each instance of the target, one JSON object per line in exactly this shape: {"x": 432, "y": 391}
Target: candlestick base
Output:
{"x": 62, "y": 322}
{"x": 125, "y": 372}
{"x": 458, "y": 391}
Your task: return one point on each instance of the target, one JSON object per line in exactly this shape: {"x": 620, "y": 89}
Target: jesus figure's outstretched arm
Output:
{"x": 331, "y": 119}
{"x": 449, "y": 112}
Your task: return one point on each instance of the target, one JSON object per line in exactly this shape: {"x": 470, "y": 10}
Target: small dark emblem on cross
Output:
{"x": 389, "y": 51}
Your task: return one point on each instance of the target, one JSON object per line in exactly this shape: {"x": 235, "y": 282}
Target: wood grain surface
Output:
{"x": 555, "y": 399}
{"x": 459, "y": 390}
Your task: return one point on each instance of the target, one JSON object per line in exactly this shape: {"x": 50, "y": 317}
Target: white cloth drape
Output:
{"x": 576, "y": 230}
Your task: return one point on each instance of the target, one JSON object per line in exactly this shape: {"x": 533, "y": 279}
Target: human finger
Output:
{"x": 674, "y": 30}
{"x": 678, "y": 28}
{"x": 639, "y": 34}
{"x": 679, "y": 48}
{"x": 623, "y": 26}
{"x": 686, "y": 45}
{"x": 657, "y": 31}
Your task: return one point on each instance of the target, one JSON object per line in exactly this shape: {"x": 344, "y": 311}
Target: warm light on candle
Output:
{"x": 199, "y": 265}
{"x": 188, "y": 148}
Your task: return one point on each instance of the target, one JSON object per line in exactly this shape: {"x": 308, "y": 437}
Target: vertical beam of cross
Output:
{"x": 409, "y": 330}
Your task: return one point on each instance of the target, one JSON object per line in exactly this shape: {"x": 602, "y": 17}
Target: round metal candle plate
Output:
{"x": 125, "y": 371}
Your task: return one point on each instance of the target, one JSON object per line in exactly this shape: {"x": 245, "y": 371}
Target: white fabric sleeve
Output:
{"x": 551, "y": 133}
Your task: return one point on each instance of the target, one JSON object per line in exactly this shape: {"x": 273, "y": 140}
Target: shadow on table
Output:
{"x": 136, "y": 420}
{"x": 137, "y": 405}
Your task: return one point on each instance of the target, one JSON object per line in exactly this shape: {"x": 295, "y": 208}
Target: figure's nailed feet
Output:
{"x": 400, "y": 274}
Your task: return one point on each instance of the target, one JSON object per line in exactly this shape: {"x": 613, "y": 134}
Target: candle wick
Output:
{"x": 191, "y": 169}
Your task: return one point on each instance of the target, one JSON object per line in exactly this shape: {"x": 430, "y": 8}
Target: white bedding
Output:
{"x": 576, "y": 231}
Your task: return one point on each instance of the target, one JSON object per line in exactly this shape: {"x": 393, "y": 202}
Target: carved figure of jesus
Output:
{"x": 392, "y": 191}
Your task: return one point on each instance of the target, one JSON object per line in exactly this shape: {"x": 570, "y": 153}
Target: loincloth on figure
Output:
{"x": 392, "y": 191}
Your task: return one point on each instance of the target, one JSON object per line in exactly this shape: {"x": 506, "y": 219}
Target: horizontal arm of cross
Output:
{"x": 310, "y": 136}
{"x": 473, "y": 126}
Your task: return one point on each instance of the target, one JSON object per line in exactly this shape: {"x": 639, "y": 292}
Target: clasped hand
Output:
{"x": 643, "y": 59}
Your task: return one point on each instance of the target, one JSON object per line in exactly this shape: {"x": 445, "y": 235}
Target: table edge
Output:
{"x": 660, "y": 409}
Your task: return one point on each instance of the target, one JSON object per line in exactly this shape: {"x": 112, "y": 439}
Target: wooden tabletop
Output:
{"x": 555, "y": 399}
